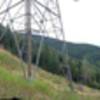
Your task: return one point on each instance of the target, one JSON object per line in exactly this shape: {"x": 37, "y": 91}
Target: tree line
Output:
{"x": 52, "y": 60}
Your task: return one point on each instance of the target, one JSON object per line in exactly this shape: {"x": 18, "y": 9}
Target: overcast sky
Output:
{"x": 81, "y": 20}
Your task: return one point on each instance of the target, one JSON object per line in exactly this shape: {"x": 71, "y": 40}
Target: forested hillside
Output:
{"x": 77, "y": 51}
{"x": 84, "y": 59}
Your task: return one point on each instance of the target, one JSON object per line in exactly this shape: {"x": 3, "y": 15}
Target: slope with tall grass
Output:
{"x": 44, "y": 86}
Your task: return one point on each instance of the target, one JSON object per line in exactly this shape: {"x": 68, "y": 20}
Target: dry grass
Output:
{"x": 45, "y": 86}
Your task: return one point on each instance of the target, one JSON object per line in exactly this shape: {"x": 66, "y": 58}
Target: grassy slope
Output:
{"x": 44, "y": 87}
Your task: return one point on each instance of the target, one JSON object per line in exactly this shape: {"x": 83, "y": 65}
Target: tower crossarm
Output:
{"x": 49, "y": 10}
{"x": 11, "y": 7}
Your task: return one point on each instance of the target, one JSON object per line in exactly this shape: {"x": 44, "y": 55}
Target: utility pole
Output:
{"x": 29, "y": 37}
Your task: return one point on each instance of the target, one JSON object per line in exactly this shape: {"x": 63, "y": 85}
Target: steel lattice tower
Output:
{"x": 40, "y": 17}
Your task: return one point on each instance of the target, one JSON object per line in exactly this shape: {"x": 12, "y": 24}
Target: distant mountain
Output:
{"x": 77, "y": 51}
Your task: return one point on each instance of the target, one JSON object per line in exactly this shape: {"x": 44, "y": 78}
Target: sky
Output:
{"x": 81, "y": 20}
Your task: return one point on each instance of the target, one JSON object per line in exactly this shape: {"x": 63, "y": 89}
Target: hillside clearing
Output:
{"x": 45, "y": 86}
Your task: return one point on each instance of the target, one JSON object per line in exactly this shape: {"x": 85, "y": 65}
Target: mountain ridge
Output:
{"x": 74, "y": 49}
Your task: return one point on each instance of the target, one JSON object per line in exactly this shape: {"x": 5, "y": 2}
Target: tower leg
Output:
{"x": 29, "y": 37}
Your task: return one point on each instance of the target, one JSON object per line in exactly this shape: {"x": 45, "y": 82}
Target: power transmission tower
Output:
{"x": 29, "y": 35}
{"x": 33, "y": 17}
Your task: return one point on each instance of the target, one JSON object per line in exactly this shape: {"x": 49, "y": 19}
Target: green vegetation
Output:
{"x": 84, "y": 60}
{"x": 45, "y": 86}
